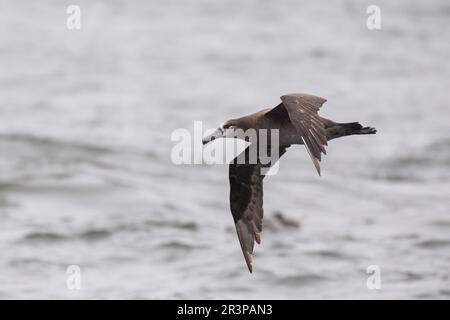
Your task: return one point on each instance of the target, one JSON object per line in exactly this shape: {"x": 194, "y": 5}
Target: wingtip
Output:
{"x": 257, "y": 238}
{"x": 249, "y": 261}
{"x": 247, "y": 251}
{"x": 317, "y": 165}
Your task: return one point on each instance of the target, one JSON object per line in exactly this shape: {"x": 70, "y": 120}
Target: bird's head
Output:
{"x": 226, "y": 129}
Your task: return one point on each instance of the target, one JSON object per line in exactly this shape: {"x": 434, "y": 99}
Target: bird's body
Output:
{"x": 297, "y": 121}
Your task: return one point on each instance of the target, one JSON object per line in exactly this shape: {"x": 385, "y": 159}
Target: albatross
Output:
{"x": 297, "y": 121}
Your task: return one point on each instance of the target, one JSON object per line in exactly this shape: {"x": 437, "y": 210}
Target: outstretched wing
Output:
{"x": 302, "y": 111}
{"x": 246, "y": 202}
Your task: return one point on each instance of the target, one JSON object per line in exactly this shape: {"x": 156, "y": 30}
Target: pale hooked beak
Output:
{"x": 215, "y": 135}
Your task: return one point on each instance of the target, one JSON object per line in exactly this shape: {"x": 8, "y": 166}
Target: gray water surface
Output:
{"x": 86, "y": 177}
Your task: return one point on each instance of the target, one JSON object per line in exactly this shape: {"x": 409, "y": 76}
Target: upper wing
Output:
{"x": 302, "y": 111}
{"x": 246, "y": 202}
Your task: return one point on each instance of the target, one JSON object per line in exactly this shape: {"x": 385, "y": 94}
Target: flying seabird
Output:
{"x": 298, "y": 122}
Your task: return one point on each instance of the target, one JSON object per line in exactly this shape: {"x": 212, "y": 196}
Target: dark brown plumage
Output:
{"x": 298, "y": 122}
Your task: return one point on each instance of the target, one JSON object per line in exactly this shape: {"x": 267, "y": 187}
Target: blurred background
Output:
{"x": 86, "y": 178}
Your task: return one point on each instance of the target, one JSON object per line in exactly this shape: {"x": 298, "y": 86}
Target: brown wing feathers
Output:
{"x": 302, "y": 110}
{"x": 246, "y": 202}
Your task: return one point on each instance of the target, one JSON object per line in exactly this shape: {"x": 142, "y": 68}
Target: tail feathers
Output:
{"x": 368, "y": 130}
{"x": 356, "y": 128}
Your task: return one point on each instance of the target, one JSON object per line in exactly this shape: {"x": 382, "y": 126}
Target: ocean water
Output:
{"x": 86, "y": 176}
